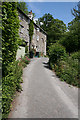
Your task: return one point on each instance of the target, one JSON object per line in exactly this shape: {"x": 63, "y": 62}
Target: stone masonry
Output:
{"x": 39, "y": 36}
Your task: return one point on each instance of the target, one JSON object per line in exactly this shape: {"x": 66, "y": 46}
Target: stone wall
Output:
{"x": 39, "y": 41}
{"x": 39, "y": 37}
{"x": 24, "y": 28}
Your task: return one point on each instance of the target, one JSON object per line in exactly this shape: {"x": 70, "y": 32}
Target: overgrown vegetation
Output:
{"x": 11, "y": 69}
{"x": 66, "y": 61}
{"x": 31, "y": 32}
{"x": 10, "y": 39}
{"x": 67, "y": 70}
{"x": 11, "y": 83}
{"x": 56, "y": 52}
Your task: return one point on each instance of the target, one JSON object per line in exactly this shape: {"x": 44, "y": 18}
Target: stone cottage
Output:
{"x": 39, "y": 37}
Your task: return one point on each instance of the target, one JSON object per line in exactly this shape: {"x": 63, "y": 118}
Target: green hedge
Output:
{"x": 56, "y": 52}
{"x": 11, "y": 71}
{"x": 75, "y": 55}
{"x": 10, "y": 84}
{"x": 10, "y": 34}
{"x": 67, "y": 67}
{"x": 67, "y": 70}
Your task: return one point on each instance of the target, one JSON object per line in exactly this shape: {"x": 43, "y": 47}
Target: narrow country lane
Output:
{"x": 44, "y": 95}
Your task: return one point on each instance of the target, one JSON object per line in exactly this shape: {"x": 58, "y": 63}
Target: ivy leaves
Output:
{"x": 10, "y": 42}
{"x": 31, "y": 32}
{"x": 31, "y": 29}
{"x": 10, "y": 30}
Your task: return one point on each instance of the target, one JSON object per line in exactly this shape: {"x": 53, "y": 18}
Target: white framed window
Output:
{"x": 37, "y": 38}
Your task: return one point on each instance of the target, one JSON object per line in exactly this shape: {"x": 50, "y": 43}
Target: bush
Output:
{"x": 10, "y": 84}
{"x": 25, "y": 60}
{"x": 68, "y": 70}
{"x": 75, "y": 55}
{"x": 65, "y": 66}
{"x": 11, "y": 71}
{"x": 70, "y": 42}
{"x": 10, "y": 34}
{"x": 56, "y": 52}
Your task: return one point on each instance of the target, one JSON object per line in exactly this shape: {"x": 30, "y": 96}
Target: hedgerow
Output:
{"x": 65, "y": 66}
{"x": 68, "y": 71}
{"x": 11, "y": 70}
{"x": 10, "y": 36}
{"x": 10, "y": 84}
{"x": 56, "y": 52}
{"x": 0, "y": 84}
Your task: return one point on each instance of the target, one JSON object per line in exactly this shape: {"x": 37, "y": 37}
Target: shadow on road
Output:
{"x": 46, "y": 65}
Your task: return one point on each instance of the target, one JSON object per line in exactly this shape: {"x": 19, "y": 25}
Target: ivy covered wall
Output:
{"x": 10, "y": 30}
{"x": 11, "y": 71}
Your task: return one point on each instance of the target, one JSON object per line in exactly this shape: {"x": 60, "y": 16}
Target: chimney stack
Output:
{"x": 30, "y": 15}
{"x": 31, "y": 12}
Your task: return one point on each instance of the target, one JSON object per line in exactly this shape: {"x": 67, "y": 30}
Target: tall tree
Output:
{"x": 76, "y": 12}
{"x": 45, "y": 20}
{"x": 75, "y": 23}
{"x": 71, "y": 39}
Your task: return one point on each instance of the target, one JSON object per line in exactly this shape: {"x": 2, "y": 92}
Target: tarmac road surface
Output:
{"x": 44, "y": 95}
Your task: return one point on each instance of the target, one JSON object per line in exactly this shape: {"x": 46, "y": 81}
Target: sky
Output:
{"x": 59, "y": 10}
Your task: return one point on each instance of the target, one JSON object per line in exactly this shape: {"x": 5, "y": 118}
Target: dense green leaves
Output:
{"x": 67, "y": 70}
{"x": 70, "y": 42}
{"x": 11, "y": 83}
{"x": 31, "y": 32}
{"x": 10, "y": 37}
{"x": 56, "y": 52}
{"x": 71, "y": 39}
{"x": 31, "y": 29}
{"x": 67, "y": 66}
{"x": 11, "y": 71}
